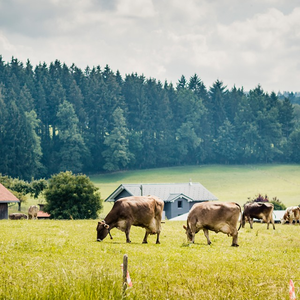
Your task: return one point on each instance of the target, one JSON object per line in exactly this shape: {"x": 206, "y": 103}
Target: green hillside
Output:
{"x": 228, "y": 183}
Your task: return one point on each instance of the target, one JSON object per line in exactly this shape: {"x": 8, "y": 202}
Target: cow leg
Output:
{"x": 273, "y": 223}
{"x": 235, "y": 238}
{"x": 110, "y": 234}
{"x": 127, "y": 231}
{"x": 207, "y": 236}
{"x": 251, "y": 222}
{"x": 157, "y": 238}
{"x": 145, "y": 237}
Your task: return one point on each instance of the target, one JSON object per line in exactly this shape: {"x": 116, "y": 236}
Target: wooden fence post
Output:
{"x": 125, "y": 268}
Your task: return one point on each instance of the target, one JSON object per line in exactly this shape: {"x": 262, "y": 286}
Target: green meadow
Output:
{"x": 227, "y": 183}
{"x": 50, "y": 259}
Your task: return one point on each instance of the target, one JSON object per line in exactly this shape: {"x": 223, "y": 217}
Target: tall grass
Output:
{"x": 46, "y": 259}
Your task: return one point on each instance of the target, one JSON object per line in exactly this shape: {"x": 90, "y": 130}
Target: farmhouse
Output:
{"x": 6, "y": 197}
{"x": 178, "y": 197}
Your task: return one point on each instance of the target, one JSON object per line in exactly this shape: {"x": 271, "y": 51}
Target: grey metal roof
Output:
{"x": 168, "y": 192}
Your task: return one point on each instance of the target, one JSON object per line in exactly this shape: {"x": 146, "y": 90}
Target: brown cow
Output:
{"x": 291, "y": 213}
{"x": 17, "y": 216}
{"x": 214, "y": 216}
{"x": 32, "y": 212}
{"x": 258, "y": 210}
{"x": 142, "y": 211}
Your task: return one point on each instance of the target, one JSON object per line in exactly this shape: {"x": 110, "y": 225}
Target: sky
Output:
{"x": 243, "y": 43}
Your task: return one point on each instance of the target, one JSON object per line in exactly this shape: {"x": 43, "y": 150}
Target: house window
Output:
{"x": 179, "y": 204}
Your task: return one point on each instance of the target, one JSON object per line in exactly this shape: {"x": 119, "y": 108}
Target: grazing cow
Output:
{"x": 17, "y": 216}
{"x": 142, "y": 211}
{"x": 32, "y": 212}
{"x": 214, "y": 216}
{"x": 291, "y": 213}
{"x": 258, "y": 210}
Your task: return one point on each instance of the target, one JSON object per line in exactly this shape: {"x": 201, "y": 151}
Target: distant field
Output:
{"x": 227, "y": 183}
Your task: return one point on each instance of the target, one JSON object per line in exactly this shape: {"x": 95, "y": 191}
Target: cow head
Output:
{"x": 283, "y": 221}
{"x": 189, "y": 233}
{"x": 102, "y": 231}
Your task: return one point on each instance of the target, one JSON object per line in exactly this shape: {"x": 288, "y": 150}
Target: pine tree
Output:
{"x": 72, "y": 151}
{"x": 117, "y": 156}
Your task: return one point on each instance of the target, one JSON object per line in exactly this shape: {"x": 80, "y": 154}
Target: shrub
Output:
{"x": 278, "y": 205}
{"x": 71, "y": 196}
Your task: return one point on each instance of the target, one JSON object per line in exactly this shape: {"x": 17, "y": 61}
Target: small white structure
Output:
{"x": 277, "y": 215}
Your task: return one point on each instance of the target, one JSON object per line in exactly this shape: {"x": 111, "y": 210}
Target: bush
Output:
{"x": 278, "y": 205}
{"x": 71, "y": 196}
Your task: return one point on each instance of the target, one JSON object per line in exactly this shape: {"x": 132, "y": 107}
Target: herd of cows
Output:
{"x": 146, "y": 212}
{"x": 32, "y": 214}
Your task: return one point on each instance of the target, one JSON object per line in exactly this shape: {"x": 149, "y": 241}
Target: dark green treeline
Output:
{"x": 56, "y": 118}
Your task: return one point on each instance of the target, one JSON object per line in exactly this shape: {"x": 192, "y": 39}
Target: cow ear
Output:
{"x": 106, "y": 226}
{"x": 184, "y": 227}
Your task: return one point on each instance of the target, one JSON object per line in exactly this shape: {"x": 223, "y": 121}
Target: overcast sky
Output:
{"x": 239, "y": 42}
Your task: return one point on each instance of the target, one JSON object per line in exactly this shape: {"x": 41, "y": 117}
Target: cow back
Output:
{"x": 208, "y": 214}
{"x": 140, "y": 210}
{"x": 257, "y": 209}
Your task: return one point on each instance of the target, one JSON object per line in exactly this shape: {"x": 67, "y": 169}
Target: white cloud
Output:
{"x": 135, "y": 9}
{"x": 5, "y": 44}
{"x": 239, "y": 42}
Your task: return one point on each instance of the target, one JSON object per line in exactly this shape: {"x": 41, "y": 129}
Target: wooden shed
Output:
{"x": 178, "y": 197}
{"x": 6, "y": 197}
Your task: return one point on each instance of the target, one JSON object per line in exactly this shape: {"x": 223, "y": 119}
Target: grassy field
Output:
{"x": 48, "y": 259}
{"x": 227, "y": 183}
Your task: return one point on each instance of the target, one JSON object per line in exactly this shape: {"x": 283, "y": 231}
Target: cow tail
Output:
{"x": 241, "y": 217}
{"x": 240, "y": 226}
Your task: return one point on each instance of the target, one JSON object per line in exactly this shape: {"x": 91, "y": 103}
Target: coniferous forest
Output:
{"x": 55, "y": 118}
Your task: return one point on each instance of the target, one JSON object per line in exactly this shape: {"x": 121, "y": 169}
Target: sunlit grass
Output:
{"x": 227, "y": 183}
{"x": 48, "y": 259}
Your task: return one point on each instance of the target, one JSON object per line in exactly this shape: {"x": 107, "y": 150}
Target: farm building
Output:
{"x": 6, "y": 197}
{"x": 41, "y": 214}
{"x": 178, "y": 197}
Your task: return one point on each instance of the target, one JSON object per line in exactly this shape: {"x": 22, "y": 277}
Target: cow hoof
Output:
{"x": 128, "y": 242}
{"x": 98, "y": 240}
{"x": 145, "y": 242}
{"x": 234, "y": 245}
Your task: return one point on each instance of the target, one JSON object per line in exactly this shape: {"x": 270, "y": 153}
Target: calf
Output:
{"x": 214, "y": 216}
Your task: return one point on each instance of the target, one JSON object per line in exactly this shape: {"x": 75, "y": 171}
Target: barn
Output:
{"x": 178, "y": 197}
{"x": 6, "y": 197}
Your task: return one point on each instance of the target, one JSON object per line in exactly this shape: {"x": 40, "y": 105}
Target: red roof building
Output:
{"x": 41, "y": 214}
{"x": 6, "y": 197}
